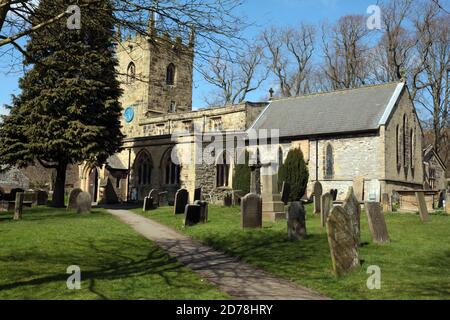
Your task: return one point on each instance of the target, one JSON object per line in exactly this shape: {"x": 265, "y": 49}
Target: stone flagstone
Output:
{"x": 325, "y": 207}
{"x": 353, "y": 208}
{"x": 296, "y": 221}
{"x": 251, "y": 211}
{"x": 341, "y": 239}
{"x": 318, "y": 190}
{"x": 377, "y": 223}
{"x": 181, "y": 200}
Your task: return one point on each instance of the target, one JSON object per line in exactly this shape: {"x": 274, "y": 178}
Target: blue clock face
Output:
{"x": 129, "y": 114}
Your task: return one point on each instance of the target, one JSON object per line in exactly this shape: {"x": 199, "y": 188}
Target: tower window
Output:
{"x": 131, "y": 73}
{"x": 170, "y": 75}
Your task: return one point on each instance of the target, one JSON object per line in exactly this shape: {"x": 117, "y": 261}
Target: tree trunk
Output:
{"x": 18, "y": 206}
{"x": 60, "y": 184}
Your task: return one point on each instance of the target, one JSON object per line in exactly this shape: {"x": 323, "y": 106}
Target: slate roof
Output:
{"x": 344, "y": 111}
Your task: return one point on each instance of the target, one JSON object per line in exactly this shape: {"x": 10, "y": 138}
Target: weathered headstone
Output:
{"x": 296, "y": 221}
{"x": 203, "y": 210}
{"x": 181, "y": 200}
{"x": 377, "y": 224}
{"x": 255, "y": 179}
{"x": 163, "y": 199}
{"x": 18, "y": 208}
{"x": 251, "y": 211}
{"x": 154, "y": 195}
{"x": 42, "y": 198}
{"x": 423, "y": 210}
{"x": 341, "y": 239}
{"x": 84, "y": 203}
{"x": 285, "y": 192}
{"x": 317, "y": 190}
{"x": 198, "y": 194}
{"x": 148, "y": 204}
{"x": 228, "y": 200}
{"x": 385, "y": 200}
{"x": 358, "y": 188}
{"x": 73, "y": 195}
{"x": 325, "y": 208}
{"x": 353, "y": 208}
{"x": 192, "y": 215}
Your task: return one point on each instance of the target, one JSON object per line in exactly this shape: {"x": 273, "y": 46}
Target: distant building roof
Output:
{"x": 430, "y": 152}
{"x": 344, "y": 111}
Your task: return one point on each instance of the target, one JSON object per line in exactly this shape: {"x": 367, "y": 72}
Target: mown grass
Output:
{"x": 415, "y": 265}
{"x": 115, "y": 262}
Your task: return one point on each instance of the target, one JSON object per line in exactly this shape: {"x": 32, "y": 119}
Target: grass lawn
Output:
{"x": 115, "y": 262}
{"x": 415, "y": 265}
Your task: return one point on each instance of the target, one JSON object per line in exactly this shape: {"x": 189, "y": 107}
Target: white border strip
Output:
{"x": 390, "y": 106}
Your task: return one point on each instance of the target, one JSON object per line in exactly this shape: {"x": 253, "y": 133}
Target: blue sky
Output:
{"x": 263, "y": 13}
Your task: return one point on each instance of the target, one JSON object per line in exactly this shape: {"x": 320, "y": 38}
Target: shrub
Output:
{"x": 295, "y": 172}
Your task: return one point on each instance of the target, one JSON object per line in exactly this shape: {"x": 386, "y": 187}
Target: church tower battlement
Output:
{"x": 156, "y": 75}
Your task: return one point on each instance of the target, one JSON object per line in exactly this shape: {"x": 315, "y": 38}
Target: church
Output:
{"x": 371, "y": 133}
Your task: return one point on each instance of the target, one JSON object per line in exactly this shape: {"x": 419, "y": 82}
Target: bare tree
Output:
{"x": 290, "y": 52}
{"x": 344, "y": 48}
{"x": 234, "y": 76}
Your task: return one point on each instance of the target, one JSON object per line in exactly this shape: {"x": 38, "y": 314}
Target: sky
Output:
{"x": 262, "y": 13}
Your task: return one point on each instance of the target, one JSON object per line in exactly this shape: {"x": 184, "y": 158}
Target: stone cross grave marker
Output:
{"x": 325, "y": 208}
{"x": 353, "y": 208}
{"x": 423, "y": 210}
{"x": 181, "y": 200}
{"x": 73, "y": 195}
{"x": 84, "y": 203}
{"x": 285, "y": 192}
{"x": 192, "y": 215}
{"x": 377, "y": 223}
{"x": 251, "y": 211}
{"x": 296, "y": 221}
{"x": 341, "y": 239}
{"x": 318, "y": 190}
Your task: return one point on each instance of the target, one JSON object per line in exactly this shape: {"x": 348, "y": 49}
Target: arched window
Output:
{"x": 405, "y": 145}
{"x": 222, "y": 171}
{"x": 131, "y": 73}
{"x": 170, "y": 75}
{"x": 329, "y": 162}
{"x": 397, "y": 147}
{"x": 144, "y": 170}
{"x": 172, "y": 172}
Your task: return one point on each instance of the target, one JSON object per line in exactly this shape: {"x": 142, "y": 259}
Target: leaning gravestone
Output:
{"x": 358, "y": 188}
{"x": 42, "y": 198}
{"x": 251, "y": 211}
{"x": 325, "y": 207}
{"x": 192, "y": 215}
{"x": 84, "y": 203}
{"x": 423, "y": 210}
{"x": 181, "y": 200}
{"x": 296, "y": 221}
{"x": 73, "y": 198}
{"x": 285, "y": 192}
{"x": 377, "y": 224}
{"x": 341, "y": 239}
{"x": 154, "y": 195}
{"x": 353, "y": 208}
{"x": 318, "y": 190}
{"x": 198, "y": 194}
{"x": 203, "y": 210}
{"x": 18, "y": 208}
{"x": 148, "y": 204}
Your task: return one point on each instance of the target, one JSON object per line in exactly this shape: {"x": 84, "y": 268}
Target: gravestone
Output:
{"x": 255, "y": 179}
{"x": 13, "y": 193}
{"x": 285, "y": 192}
{"x": 358, "y": 188}
{"x": 325, "y": 208}
{"x": 251, "y": 211}
{"x": 42, "y": 198}
{"x": 203, "y": 210}
{"x": 18, "y": 208}
{"x": 163, "y": 199}
{"x": 198, "y": 194}
{"x": 377, "y": 224}
{"x": 441, "y": 199}
{"x": 228, "y": 200}
{"x": 73, "y": 195}
{"x": 374, "y": 190}
{"x": 30, "y": 197}
{"x": 148, "y": 204}
{"x": 192, "y": 215}
{"x": 181, "y": 200}
{"x": 237, "y": 197}
{"x": 385, "y": 200}
{"x": 353, "y": 208}
{"x": 317, "y": 190}
{"x": 334, "y": 194}
{"x": 423, "y": 210}
{"x": 341, "y": 239}
{"x": 296, "y": 221}
{"x": 447, "y": 202}
{"x": 154, "y": 195}
{"x": 84, "y": 203}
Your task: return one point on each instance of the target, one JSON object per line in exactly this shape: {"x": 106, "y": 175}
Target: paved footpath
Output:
{"x": 236, "y": 278}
